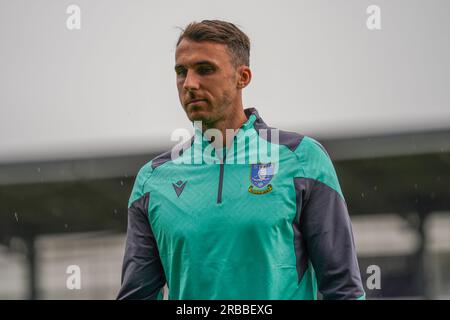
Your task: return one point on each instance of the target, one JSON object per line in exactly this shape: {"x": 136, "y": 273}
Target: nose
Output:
{"x": 191, "y": 81}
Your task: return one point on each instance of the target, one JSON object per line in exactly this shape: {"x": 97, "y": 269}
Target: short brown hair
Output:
{"x": 222, "y": 32}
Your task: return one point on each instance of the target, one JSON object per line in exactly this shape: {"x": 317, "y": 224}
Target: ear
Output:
{"x": 244, "y": 77}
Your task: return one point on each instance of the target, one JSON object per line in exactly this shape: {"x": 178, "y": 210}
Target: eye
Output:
{"x": 180, "y": 71}
{"x": 202, "y": 70}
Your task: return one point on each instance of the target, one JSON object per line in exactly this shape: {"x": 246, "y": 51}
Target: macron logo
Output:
{"x": 178, "y": 187}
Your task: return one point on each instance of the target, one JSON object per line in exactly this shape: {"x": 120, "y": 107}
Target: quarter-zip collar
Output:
{"x": 201, "y": 142}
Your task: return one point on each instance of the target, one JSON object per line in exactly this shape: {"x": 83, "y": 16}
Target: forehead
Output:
{"x": 189, "y": 52}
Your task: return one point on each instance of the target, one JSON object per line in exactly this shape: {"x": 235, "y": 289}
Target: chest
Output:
{"x": 210, "y": 201}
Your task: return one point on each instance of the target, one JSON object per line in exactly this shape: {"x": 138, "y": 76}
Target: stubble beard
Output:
{"x": 216, "y": 113}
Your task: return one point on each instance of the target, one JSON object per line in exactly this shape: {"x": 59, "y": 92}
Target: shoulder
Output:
{"x": 313, "y": 160}
{"x": 147, "y": 169}
{"x": 312, "y": 151}
{"x": 145, "y": 173}
{"x": 316, "y": 164}
{"x": 142, "y": 177}
{"x": 289, "y": 139}
{"x": 309, "y": 152}
{"x": 304, "y": 147}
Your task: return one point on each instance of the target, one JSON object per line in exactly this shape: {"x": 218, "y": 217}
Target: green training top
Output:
{"x": 248, "y": 227}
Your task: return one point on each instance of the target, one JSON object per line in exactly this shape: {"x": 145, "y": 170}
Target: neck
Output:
{"x": 233, "y": 120}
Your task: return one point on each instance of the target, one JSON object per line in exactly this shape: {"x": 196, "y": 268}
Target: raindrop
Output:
{"x": 66, "y": 225}
{"x": 415, "y": 186}
{"x": 121, "y": 183}
{"x": 38, "y": 170}
{"x": 17, "y": 217}
{"x": 115, "y": 211}
{"x": 375, "y": 188}
{"x": 362, "y": 194}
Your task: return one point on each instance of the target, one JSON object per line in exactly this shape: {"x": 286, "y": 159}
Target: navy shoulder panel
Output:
{"x": 161, "y": 159}
{"x": 167, "y": 156}
{"x": 286, "y": 138}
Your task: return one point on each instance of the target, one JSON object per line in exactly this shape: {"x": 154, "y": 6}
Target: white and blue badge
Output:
{"x": 260, "y": 176}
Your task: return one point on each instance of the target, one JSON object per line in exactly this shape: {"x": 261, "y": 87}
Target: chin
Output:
{"x": 198, "y": 115}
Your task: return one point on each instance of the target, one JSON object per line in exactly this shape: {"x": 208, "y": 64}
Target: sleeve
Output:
{"x": 325, "y": 226}
{"x": 142, "y": 272}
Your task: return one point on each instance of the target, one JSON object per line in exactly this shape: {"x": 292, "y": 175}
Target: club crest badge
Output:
{"x": 260, "y": 176}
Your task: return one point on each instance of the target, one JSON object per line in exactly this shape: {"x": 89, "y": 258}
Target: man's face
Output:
{"x": 206, "y": 80}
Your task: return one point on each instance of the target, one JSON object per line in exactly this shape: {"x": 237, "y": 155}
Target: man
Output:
{"x": 248, "y": 230}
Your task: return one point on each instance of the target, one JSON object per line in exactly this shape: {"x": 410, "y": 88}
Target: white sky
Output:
{"x": 109, "y": 88}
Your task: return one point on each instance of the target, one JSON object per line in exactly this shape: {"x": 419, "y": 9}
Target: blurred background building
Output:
{"x": 82, "y": 110}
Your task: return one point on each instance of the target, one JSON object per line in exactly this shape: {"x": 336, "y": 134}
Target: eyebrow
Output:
{"x": 178, "y": 66}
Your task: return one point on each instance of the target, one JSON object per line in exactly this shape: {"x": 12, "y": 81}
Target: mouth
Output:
{"x": 195, "y": 101}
